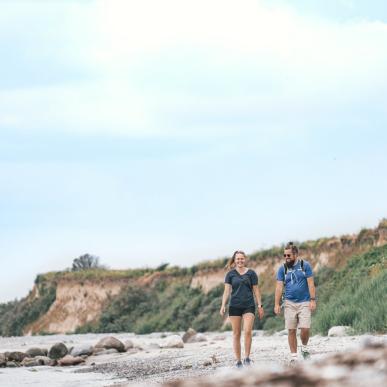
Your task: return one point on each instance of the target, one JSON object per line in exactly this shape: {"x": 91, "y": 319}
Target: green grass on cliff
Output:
{"x": 354, "y": 296}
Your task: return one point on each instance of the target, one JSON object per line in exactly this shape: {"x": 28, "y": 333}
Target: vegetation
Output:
{"x": 86, "y": 262}
{"x": 16, "y": 315}
{"x": 355, "y": 296}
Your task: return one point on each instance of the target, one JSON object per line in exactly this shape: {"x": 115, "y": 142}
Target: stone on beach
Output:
{"x": 85, "y": 349}
{"x": 173, "y": 341}
{"x": 128, "y": 344}
{"x": 187, "y": 335}
{"x": 15, "y": 356}
{"x": 69, "y": 360}
{"x": 34, "y": 351}
{"x": 111, "y": 342}
{"x": 102, "y": 351}
{"x": 57, "y": 351}
{"x": 339, "y": 331}
{"x": 31, "y": 362}
{"x": 3, "y": 360}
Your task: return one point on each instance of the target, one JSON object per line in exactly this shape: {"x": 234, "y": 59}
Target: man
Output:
{"x": 300, "y": 298}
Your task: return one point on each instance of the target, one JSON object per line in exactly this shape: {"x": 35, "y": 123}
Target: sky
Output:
{"x": 180, "y": 131}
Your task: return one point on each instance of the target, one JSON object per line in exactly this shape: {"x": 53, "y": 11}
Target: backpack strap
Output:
{"x": 285, "y": 272}
{"x": 302, "y": 266}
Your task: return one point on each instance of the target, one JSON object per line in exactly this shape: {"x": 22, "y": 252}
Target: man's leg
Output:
{"x": 305, "y": 335}
{"x": 236, "y": 335}
{"x": 292, "y": 339}
{"x": 291, "y": 325}
{"x": 248, "y": 322}
{"x": 305, "y": 321}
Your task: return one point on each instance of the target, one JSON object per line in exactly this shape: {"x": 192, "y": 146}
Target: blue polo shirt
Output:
{"x": 296, "y": 285}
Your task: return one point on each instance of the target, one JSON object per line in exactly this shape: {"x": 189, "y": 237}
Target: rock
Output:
{"x": 111, "y": 342}
{"x": 3, "y": 360}
{"x": 173, "y": 341}
{"x": 31, "y": 362}
{"x": 128, "y": 345}
{"x": 105, "y": 352}
{"x": 16, "y": 356}
{"x": 33, "y": 352}
{"x": 46, "y": 360}
{"x": 84, "y": 349}
{"x": 12, "y": 364}
{"x": 198, "y": 338}
{"x": 219, "y": 337}
{"x": 57, "y": 351}
{"x": 339, "y": 331}
{"x": 188, "y": 335}
{"x": 69, "y": 360}
{"x": 207, "y": 363}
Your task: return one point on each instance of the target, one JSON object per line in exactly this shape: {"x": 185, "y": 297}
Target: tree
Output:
{"x": 85, "y": 262}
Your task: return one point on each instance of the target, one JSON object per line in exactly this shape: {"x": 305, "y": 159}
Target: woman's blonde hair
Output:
{"x": 231, "y": 262}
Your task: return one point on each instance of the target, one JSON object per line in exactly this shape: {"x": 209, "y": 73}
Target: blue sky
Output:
{"x": 180, "y": 131}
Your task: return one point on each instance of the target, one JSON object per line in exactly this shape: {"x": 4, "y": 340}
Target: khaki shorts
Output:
{"x": 297, "y": 314}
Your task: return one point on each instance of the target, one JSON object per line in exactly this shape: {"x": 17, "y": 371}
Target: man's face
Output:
{"x": 289, "y": 257}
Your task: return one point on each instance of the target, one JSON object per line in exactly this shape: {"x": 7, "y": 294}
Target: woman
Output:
{"x": 242, "y": 283}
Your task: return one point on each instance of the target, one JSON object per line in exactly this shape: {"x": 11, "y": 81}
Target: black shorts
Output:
{"x": 233, "y": 311}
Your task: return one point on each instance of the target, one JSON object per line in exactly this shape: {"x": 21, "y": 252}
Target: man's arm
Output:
{"x": 312, "y": 292}
{"x": 277, "y": 298}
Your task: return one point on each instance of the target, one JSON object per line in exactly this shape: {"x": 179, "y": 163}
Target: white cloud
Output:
{"x": 164, "y": 67}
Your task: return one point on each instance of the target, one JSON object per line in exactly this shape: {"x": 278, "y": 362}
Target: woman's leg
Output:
{"x": 236, "y": 334}
{"x": 248, "y": 322}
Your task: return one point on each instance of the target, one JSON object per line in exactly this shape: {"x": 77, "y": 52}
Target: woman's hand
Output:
{"x": 261, "y": 312}
{"x": 222, "y": 310}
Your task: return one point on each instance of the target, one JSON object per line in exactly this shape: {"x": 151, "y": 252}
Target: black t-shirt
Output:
{"x": 242, "y": 288}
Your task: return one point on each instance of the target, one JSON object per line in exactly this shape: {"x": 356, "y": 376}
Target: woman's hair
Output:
{"x": 293, "y": 247}
{"x": 231, "y": 262}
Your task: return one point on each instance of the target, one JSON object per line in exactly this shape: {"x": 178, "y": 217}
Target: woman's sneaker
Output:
{"x": 247, "y": 362}
{"x": 238, "y": 364}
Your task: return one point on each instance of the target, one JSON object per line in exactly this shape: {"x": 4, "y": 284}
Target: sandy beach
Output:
{"x": 148, "y": 363}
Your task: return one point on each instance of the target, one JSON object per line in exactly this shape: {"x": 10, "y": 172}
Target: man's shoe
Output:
{"x": 247, "y": 362}
{"x": 305, "y": 354}
{"x": 238, "y": 364}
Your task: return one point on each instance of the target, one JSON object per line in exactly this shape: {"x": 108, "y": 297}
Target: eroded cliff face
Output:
{"x": 76, "y": 304}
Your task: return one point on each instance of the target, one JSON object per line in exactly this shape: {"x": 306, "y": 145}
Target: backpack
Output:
{"x": 285, "y": 272}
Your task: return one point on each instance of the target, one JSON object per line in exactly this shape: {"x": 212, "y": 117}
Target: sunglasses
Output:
{"x": 287, "y": 255}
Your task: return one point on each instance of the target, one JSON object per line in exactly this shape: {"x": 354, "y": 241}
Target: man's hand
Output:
{"x": 277, "y": 310}
{"x": 312, "y": 305}
{"x": 222, "y": 310}
{"x": 261, "y": 313}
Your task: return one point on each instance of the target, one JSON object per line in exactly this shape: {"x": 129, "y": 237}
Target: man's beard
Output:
{"x": 290, "y": 264}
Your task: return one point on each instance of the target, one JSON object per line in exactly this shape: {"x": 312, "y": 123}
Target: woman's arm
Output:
{"x": 226, "y": 294}
{"x": 258, "y": 299}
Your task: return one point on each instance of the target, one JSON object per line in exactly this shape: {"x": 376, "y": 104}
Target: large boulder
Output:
{"x": 69, "y": 360}
{"x": 339, "y": 331}
{"x": 111, "y": 342}
{"x": 3, "y": 360}
{"x": 198, "y": 338}
{"x": 57, "y": 351}
{"x": 173, "y": 341}
{"x": 16, "y": 356}
{"x": 33, "y": 352}
{"x": 12, "y": 364}
{"x": 84, "y": 349}
{"x": 188, "y": 335}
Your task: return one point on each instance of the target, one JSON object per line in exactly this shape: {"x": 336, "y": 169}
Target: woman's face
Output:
{"x": 240, "y": 260}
